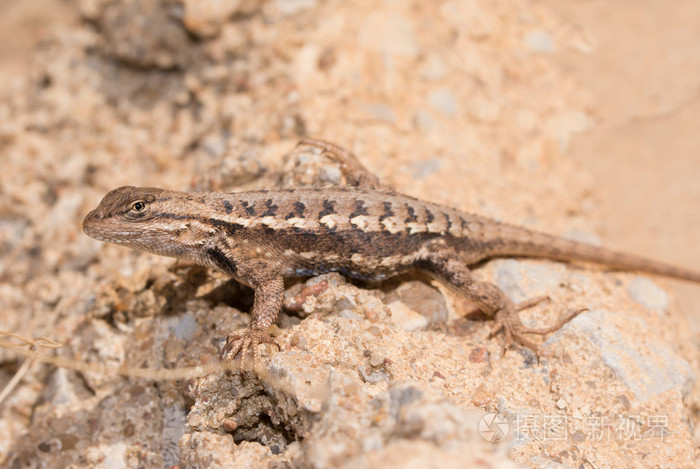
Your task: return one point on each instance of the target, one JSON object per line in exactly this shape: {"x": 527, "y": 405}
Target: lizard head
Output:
{"x": 129, "y": 216}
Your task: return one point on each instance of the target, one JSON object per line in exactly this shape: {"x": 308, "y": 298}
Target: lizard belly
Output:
{"x": 355, "y": 273}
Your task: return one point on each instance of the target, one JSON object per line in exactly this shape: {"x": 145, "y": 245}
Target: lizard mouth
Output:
{"x": 110, "y": 236}
{"x": 96, "y": 228}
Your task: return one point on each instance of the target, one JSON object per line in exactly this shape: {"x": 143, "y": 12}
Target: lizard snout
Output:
{"x": 91, "y": 218}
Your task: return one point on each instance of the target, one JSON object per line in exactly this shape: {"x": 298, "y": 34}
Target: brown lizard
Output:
{"x": 363, "y": 230}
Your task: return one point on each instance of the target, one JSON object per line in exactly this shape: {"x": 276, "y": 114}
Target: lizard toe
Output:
{"x": 513, "y": 329}
{"x": 244, "y": 342}
{"x": 529, "y": 303}
{"x": 496, "y": 328}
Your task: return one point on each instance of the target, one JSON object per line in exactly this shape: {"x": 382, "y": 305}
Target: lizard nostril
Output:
{"x": 93, "y": 216}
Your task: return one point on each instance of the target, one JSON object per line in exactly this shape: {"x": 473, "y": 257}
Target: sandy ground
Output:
{"x": 643, "y": 150}
{"x": 578, "y": 118}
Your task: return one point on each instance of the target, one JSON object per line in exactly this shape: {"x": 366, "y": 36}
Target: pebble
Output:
{"x": 174, "y": 421}
{"x": 205, "y": 18}
{"x": 521, "y": 281}
{"x": 422, "y": 299}
{"x": 647, "y": 293}
{"x": 539, "y": 40}
{"x": 433, "y": 69}
{"x": 391, "y": 34}
{"x": 379, "y": 111}
{"x": 444, "y": 101}
{"x": 423, "y": 120}
{"x": 564, "y": 124}
{"x": 421, "y": 169}
{"x": 406, "y": 318}
{"x": 483, "y": 110}
{"x": 186, "y": 327}
{"x": 293, "y": 7}
{"x": 647, "y": 370}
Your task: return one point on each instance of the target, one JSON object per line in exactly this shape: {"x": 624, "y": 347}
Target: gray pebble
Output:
{"x": 647, "y": 293}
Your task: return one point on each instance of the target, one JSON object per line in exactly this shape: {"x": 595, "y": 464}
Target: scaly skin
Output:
{"x": 365, "y": 231}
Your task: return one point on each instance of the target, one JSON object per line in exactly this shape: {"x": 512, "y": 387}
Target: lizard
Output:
{"x": 363, "y": 230}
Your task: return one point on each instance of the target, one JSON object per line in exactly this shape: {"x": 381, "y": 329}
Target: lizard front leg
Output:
{"x": 269, "y": 292}
{"x": 445, "y": 265}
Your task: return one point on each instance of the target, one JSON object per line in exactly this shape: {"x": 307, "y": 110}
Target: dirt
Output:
{"x": 553, "y": 115}
{"x": 642, "y": 151}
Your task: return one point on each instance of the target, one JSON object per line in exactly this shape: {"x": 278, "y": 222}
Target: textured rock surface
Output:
{"x": 457, "y": 102}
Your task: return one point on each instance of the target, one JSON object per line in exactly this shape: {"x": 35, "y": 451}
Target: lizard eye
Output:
{"x": 138, "y": 206}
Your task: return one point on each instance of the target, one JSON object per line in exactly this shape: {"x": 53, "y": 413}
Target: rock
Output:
{"x": 309, "y": 386}
{"x": 420, "y": 298}
{"x": 483, "y": 110}
{"x": 423, "y": 120}
{"x": 563, "y": 125}
{"x": 443, "y": 100}
{"x": 231, "y": 171}
{"x": 205, "y": 18}
{"x": 406, "y": 318}
{"x": 539, "y": 40}
{"x": 215, "y": 145}
{"x": 422, "y": 169}
{"x": 196, "y": 96}
{"x": 144, "y": 34}
{"x": 411, "y": 423}
{"x": 647, "y": 293}
{"x": 174, "y": 424}
{"x": 390, "y": 34}
{"x": 64, "y": 388}
{"x": 186, "y": 327}
{"x": 646, "y": 368}
{"x": 433, "y": 68}
{"x": 204, "y": 449}
{"x": 293, "y": 7}
{"x": 379, "y": 111}
{"x": 522, "y": 281}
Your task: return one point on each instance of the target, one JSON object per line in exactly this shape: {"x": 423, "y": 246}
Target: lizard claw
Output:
{"x": 514, "y": 330}
{"x": 245, "y": 342}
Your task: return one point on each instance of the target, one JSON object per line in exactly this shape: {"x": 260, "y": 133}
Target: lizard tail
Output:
{"x": 516, "y": 241}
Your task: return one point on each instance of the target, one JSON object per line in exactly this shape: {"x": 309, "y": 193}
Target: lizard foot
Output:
{"x": 245, "y": 342}
{"x": 514, "y": 330}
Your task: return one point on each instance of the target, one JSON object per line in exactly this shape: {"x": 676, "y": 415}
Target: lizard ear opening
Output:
{"x": 193, "y": 234}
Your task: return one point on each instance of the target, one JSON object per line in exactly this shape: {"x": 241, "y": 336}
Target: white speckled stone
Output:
{"x": 647, "y": 293}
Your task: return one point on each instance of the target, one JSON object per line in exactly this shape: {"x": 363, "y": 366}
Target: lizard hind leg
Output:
{"x": 355, "y": 173}
{"x": 490, "y": 299}
{"x": 543, "y": 330}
